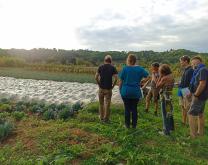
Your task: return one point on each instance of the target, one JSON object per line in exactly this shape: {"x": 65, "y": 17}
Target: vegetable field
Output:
{"x": 83, "y": 139}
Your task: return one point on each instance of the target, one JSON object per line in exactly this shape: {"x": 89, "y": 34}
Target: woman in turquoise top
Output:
{"x": 130, "y": 78}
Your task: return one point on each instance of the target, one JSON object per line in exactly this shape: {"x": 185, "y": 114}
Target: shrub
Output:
{"x": 77, "y": 106}
{"x": 18, "y": 115}
{"x": 49, "y": 114}
{"x": 61, "y": 106}
{"x": 3, "y": 115}
{"x": 5, "y": 108}
{"x": 65, "y": 113}
{"x": 5, "y": 128}
{"x": 37, "y": 109}
{"x": 19, "y": 107}
{"x": 4, "y": 100}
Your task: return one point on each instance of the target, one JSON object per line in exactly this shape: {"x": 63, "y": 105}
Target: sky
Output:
{"x": 102, "y": 25}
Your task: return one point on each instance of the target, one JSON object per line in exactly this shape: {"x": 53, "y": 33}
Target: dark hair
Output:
{"x": 185, "y": 58}
{"x": 197, "y": 58}
{"x": 165, "y": 69}
{"x": 155, "y": 64}
{"x": 131, "y": 59}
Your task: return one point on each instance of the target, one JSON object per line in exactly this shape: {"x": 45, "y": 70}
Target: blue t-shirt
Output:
{"x": 131, "y": 77}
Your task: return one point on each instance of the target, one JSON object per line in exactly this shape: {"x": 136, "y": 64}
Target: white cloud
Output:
{"x": 111, "y": 24}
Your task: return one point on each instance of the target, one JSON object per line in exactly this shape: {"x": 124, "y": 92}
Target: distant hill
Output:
{"x": 93, "y": 58}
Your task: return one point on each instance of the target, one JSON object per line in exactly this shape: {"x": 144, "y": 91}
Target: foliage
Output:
{"x": 27, "y": 73}
{"x": 77, "y": 106}
{"x": 5, "y": 128}
{"x": 18, "y": 115}
{"x": 85, "y": 140}
{"x": 49, "y": 114}
{"x": 47, "y": 111}
{"x": 65, "y": 113}
{"x": 5, "y": 108}
{"x": 85, "y": 61}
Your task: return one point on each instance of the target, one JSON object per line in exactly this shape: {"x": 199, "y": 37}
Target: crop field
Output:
{"x": 46, "y": 75}
{"x": 37, "y": 133}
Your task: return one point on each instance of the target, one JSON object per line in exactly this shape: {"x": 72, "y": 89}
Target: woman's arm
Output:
{"x": 120, "y": 84}
{"x": 160, "y": 82}
{"x": 148, "y": 81}
{"x": 115, "y": 76}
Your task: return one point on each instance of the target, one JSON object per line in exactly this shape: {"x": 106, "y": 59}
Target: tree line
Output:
{"x": 52, "y": 58}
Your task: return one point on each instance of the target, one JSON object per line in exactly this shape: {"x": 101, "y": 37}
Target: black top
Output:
{"x": 186, "y": 77}
{"x": 106, "y": 71}
{"x": 203, "y": 75}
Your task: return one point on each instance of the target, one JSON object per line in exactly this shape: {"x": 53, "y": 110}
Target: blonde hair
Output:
{"x": 131, "y": 59}
{"x": 197, "y": 58}
{"x": 108, "y": 59}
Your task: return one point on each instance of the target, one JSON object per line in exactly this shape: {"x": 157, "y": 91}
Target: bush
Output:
{"x": 65, "y": 113}
{"x": 5, "y": 108}
{"x": 77, "y": 106}
{"x": 18, "y": 115}
{"x": 19, "y": 107}
{"x": 37, "y": 109}
{"x": 5, "y": 128}
{"x": 3, "y": 115}
{"x": 49, "y": 114}
{"x": 4, "y": 100}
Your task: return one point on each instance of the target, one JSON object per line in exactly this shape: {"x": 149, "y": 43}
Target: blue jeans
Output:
{"x": 168, "y": 122}
{"x": 130, "y": 111}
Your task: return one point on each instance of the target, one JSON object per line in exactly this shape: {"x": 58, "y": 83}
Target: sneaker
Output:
{"x": 163, "y": 133}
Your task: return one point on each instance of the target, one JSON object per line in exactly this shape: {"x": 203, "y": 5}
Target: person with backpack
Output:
{"x": 166, "y": 84}
{"x": 106, "y": 78}
{"x": 184, "y": 87}
{"x": 130, "y": 79}
{"x": 199, "y": 91}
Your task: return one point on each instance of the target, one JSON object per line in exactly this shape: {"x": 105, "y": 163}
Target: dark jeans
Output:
{"x": 130, "y": 110}
{"x": 168, "y": 122}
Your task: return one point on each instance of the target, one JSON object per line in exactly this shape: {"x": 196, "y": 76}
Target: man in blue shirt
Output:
{"x": 185, "y": 100}
{"x": 199, "y": 90}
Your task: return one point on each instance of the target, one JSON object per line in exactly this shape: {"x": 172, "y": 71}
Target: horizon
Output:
{"x": 110, "y": 25}
{"x": 106, "y": 50}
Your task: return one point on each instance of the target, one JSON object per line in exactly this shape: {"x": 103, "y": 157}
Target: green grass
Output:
{"x": 44, "y": 75}
{"x": 84, "y": 140}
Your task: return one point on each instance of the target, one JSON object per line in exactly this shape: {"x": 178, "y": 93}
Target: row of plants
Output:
{"x": 44, "y": 110}
{"x": 62, "y": 68}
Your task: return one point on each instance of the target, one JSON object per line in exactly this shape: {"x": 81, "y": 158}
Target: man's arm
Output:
{"x": 97, "y": 78}
{"x": 200, "y": 88}
{"x": 115, "y": 77}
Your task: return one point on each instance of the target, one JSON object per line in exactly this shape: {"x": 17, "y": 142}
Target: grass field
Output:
{"x": 84, "y": 140}
{"x": 44, "y": 75}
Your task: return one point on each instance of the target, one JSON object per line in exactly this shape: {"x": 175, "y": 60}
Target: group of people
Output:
{"x": 192, "y": 91}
